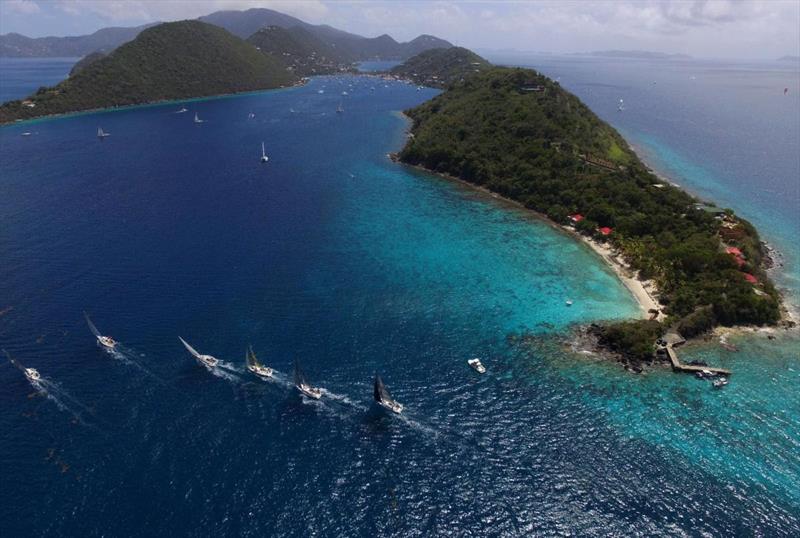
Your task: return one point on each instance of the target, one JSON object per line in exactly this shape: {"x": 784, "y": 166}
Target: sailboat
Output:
{"x": 251, "y": 116}
{"x": 32, "y": 374}
{"x": 197, "y": 119}
{"x": 339, "y": 108}
{"x": 621, "y": 106}
{"x": 207, "y": 360}
{"x": 383, "y": 398}
{"x": 302, "y": 385}
{"x": 102, "y": 134}
{"x": 181, "y": 110}
{"x": 105, "y": 341}
{"x": 256, "y": 367}
{"x": 264, "y": 157}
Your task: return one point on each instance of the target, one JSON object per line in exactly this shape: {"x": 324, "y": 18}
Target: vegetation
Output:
{"x": 440, "y": 68}
{"x": 635, "y": 340}
{"x": 520, "y": 134}
{"x": 85, "y": 62}
{"x": 169, "y": 61}
{"x": 303, "y": 53}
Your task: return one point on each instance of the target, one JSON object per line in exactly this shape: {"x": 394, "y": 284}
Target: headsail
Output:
{"x": 91, "y": 326}
{"x": 379, "y": 392}
{"x": 251, "y": 357}
{"x": 192, "y": 350}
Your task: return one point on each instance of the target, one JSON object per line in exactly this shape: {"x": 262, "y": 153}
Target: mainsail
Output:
{"x": 91, "y": 325}
{"x": 299, "y": 376}
{"x": 192, "y": 350}
{"x": 251, "y": 358}
{"x": 379, "y": 392}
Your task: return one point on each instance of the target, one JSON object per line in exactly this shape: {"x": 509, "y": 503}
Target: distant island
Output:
{"x": 243, "y": 24}
{"x": 790, "y": 59}
{"x": 517, "y": 133}
{"x": 635, "y": 54}
{"x": 439, "y": 68}
{"x": 300, "y": 50}
{"x": 176, "y": 60}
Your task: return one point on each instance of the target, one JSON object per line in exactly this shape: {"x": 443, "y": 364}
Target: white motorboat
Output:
{"x": 251, "y": 116}
{"x": 264, "y": 157}
{"x": 102, "y": 134}
{"x": 383, "y": 398}
{"x": 26, "y": 133}
{"x": 568, "y": 302}
{"x": 721, "y": 382}
{"x": 105, "y": 341}
{"x": 32, "y": 374}
{"x": 477, "y": 365}
{"x": 207, "y": 360}
{"x": 256, "y": 367}
{"x": 301, "y": 383}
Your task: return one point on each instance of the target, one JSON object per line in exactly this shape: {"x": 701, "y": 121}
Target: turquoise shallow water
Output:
{"x": 335, "y": 255}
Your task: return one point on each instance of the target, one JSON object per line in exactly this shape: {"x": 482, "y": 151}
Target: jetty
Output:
{"x": 678, "y": 366}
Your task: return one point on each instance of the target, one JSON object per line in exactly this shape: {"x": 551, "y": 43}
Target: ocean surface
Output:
{"x": 20, "y": 77}
{"x": 332, "y": 255}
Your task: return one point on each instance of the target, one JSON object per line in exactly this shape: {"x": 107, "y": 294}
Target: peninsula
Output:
{"x": 519, "y": 134}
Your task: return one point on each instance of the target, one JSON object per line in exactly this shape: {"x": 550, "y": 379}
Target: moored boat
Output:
{"x": 206, "y": 360}
{"x": 477, "y": 365}
{"x": 721, "y": 382}
{"x": 256, "y": 367}
{"x": 382, "y": 397}
{"x": 301, "y": 383}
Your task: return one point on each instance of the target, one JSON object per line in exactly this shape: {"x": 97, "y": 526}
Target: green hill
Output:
{"x": 300, "y": 50}
{"x": 439, "y": 68}
{"x": 170, "y": 61}
{"x": 520, "y": 134}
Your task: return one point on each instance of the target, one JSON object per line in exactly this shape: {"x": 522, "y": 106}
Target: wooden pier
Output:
{"x": 678, "y": 366}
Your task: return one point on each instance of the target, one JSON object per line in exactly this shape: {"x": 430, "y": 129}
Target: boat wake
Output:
{"x": 129, "y": 357}
{"x": 342, "y": 399}
{"x": 228, "y": 371}
{"x": 63, "y": 400}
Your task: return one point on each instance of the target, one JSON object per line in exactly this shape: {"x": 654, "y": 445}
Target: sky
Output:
{"x": 742, "y": 29}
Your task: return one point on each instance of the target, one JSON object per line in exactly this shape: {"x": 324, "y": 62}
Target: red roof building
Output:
{"x": 605, "y": 230}
{"x": 750, "y": 278}
{"x": 733, "y": 251}
{"x": 577, "y": 217}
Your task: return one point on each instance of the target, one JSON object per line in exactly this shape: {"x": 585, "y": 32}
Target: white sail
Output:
{"x": 192, "y": 350}
{"x": 91, "y": 326}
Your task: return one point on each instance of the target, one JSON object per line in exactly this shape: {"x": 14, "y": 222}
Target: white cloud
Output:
{"x": 22, "y": 7}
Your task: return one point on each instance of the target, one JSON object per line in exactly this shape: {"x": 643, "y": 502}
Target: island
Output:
{"x": 176, "y": 60}
{"x": 440, "y": 67}
{"x": 519, "y": 134}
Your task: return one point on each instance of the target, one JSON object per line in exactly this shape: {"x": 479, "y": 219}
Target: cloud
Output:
{"x": 21, "y": 7}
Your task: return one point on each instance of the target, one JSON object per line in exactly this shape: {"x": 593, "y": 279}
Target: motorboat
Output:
{"x": 251, "y": 116}
{"x": 477, "y": 365}
{"x": 207, "y": 360}
{"x": 26, "y": 133}
{"x": 568, "y": 302}
{"x": 301, "y": 383}
{"x": 264, "y": 157}
{"x": 105, "y": 341}
{"x": 721, "y": 382}
{"x": 256, "y": 367}
{"x": 383, "y": 398}
{"x": 32, "y": 374}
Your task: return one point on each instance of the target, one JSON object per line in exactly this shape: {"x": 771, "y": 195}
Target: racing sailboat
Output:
{"x": 105, "y": 341}
{"x": 264, "y": 157}
{"x": 302, "y": 385}
{"x": 383, "y": 398}
{"x": 207, "y": 360}
{"x": 256, "y": 367}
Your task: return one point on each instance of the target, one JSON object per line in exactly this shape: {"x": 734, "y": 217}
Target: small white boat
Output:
{"x": 105, "y": 341}
{"x": 320, "y": 91}
{"x": 264, "y": 157}
{"x": 568, "y": 302}
{"x": 26, "y": 133}
{"x": 197, "y": 119}
{"x": 477, "y": 365}
{"x": 344, "y": 93}
{"x": 301, "y": 383}
{"x": 102, "y": 134}
{"x": 382, "y": 397}
{"x": 207, "y": 360}
{"x": 181, "y": 110}
{"x": 251, "y": 116}
{"x": 256, "y": 367}
{"x": 721, "y": 382}
{"x": 32, "y": 374}
{"x": 339, "y": 109}
{"x": 621, "y": 106}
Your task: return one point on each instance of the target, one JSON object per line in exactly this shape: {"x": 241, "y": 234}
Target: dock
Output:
{"x": 678, "y": 366}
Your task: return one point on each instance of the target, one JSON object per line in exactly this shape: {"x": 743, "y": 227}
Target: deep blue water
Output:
{"x": 333, "y": 255}
{"x": 20, "y": 77}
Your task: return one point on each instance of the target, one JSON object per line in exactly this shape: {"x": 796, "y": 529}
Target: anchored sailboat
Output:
{"x": 105, "y": 341}
{"x": 207, "y": 360}
{"x": 256, "y": 367}
{"x": 302, "y": 385}
{"x": 102, "y": 134}
{"x": 264, "y": 157}
{"x": 383, "y": 398}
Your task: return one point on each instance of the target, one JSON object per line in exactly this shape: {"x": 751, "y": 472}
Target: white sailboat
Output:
{"x": 256, "y": 367}
{"x": 102, "y": 134}
{"x": 264, "y": 157}
{"x": 181, "y": 110}
{"x": 301, "y": 383}
{"x": 197, "y": 119}
{"x": 105, "y": 341}
{"x": 207, "y": 360}
{"x": 621, "y": 106}
{"x": 383, "y": 398}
